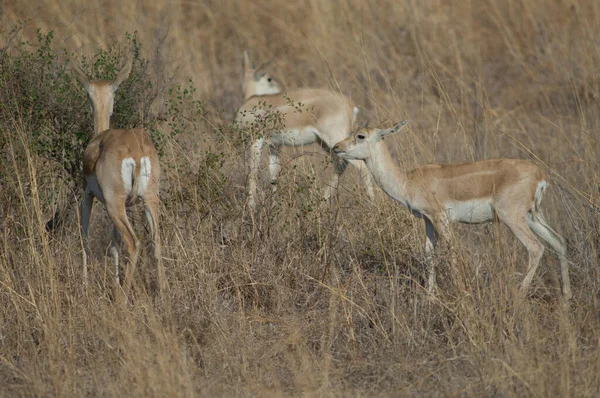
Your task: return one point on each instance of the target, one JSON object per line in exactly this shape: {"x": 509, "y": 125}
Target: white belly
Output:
{"x": 93, "y": 187}
{"x": 295, "y": 137}
{"x": 472, "y": 212}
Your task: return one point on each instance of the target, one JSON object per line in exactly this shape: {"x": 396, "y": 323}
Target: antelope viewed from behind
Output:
{"x": 476, "y": 192}
{"x": 326, "y": 118}
{"x": 120, "y": 166}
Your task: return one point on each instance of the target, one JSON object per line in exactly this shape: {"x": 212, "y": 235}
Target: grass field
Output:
{"x": 304, "y": 299}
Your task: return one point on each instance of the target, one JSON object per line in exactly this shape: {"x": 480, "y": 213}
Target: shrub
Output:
{"x": 38, "y": 93}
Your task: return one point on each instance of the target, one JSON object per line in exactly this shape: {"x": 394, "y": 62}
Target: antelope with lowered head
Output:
{"x": 326, "y": 118}
{"x": 476, "y": 192}
{"x": 119, "y": 167}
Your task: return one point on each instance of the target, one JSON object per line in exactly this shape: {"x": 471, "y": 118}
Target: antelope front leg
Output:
{"x": 86, "y": 211}
{"x": 430, "y": 244}
{"x": 442, "y": 227}
{"x": 274, "y": 165}
{"x": 254, "y": 154}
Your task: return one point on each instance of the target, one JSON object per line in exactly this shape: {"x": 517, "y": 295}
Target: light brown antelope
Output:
{"x": 476, "y": 192}
{"x": 119, "y": 167}
{"x": 326, "y": 118}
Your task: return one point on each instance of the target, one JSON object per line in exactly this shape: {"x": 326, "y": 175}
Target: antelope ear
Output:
{"x": 262, "y": 70}
{"x": 394, "y": 129}
{"x": 79, "y": 74}
{"x": 247, "y": 64}
{"x": 258, "y": 74}
{"x": 123, "y": 74}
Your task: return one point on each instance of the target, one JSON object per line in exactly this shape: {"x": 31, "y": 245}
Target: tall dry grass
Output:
{"x": 303, "y": 299}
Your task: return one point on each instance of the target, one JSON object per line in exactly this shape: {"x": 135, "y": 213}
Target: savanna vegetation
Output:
{"x": 301, "y": 297}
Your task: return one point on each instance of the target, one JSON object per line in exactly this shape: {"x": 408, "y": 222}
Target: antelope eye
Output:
{"x": 269, "y": 79}
{"x": 360, "y": 137}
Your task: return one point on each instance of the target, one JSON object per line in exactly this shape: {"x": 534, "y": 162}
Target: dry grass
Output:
{"x": 306, "y": 300}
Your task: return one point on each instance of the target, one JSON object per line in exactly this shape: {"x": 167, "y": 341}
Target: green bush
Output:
{"x": 39, "y": 95}
{"x": 41, "y": 99}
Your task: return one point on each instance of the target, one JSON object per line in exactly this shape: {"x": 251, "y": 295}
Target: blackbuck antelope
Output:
{"x": 477, "y": 192}
{"x": 326, "y": 117}
{"x": 119, "y": 167}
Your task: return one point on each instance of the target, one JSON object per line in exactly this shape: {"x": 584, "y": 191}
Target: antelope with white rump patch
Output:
{"x": 477, "y": 192}
{"x": 326, "y": 118}
{"x": 119, "y": 167}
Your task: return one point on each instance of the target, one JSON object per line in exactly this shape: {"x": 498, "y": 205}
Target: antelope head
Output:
{"x": 358, "y": 146}
{"x": 101, "y": 94}
{"x": 257, "y": 81}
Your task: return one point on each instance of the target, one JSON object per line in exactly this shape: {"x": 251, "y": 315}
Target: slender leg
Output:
{"x": 558, "y": 244}
{"x": 86, "y": 211}
{"x": 442, "y": 226}
{"x": 254, "y": 155}
{"x": 430, "y": 244}
{"x": 152, "y": 216}
{"x": 115, "y": 244}
{"x": 274, "y": 166}
{"x": 520, "y": 227}
{"x": 116, "y": 212}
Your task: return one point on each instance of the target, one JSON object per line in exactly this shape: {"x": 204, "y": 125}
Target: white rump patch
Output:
{"x": 145, "y": 175}
{"x": 128, "y": 173}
